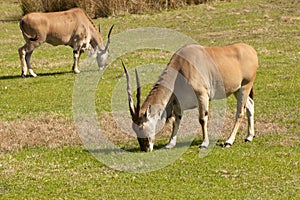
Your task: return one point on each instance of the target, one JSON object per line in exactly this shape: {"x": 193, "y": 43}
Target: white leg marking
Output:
{"x": 25, "y": 71}
{"x": 171, "y": 143}
{"x": 76, "y": 71}
{"x": 203, "y": 119}
{"x": 250, "y": 116}
{"x": 76, "y": 60}
{"x": 151, "y": 144}
{"x": 173, "y": 138}
{"x": 205, "y": 142}
{"x": 22, "y": 54}
{"x": 32, "y": 73}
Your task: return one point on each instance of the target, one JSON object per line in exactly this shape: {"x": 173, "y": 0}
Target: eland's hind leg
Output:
{"x": 22, "y": 54}
{"x": 250, "y": 116}
{"x": 242, "y": 97}
{"x": 25, "y": 53}
{"x": 27, "y": 58}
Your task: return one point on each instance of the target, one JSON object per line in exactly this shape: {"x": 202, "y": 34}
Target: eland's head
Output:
{"x": 143, "y": 121}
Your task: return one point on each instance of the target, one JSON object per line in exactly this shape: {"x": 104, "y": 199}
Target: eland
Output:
{"x": 73, "y": 28}
{"x": 206, "y": 73}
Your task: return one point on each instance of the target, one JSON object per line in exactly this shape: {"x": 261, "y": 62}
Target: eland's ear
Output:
{"x": 147, "y": 114}
{"x": 153, "y": 111}
{"x": 163, "y": 115}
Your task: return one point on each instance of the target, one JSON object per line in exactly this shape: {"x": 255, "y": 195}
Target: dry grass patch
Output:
{"x": 50, "y": 131}
{"x": 53, "y": 132}
{"x": 119, "y": 137}
{"x": 125, "y": 140}
{"x": 261, "y": 127}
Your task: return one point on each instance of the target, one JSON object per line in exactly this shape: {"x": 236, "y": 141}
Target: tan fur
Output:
{"x": 72, "y": 27}
{"x": 236, "y": 63}
{"x": 60, "y": 28}
{"x": 212, "y": 73}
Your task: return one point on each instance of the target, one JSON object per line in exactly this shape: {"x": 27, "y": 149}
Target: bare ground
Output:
{"x": 49, "y": 131}
{"x": 53, "y": 132}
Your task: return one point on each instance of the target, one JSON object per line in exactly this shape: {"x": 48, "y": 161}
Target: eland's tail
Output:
{"x": 30, "y": 37}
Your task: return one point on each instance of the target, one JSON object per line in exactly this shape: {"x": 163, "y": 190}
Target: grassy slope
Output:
{"x": 268, "y": 168}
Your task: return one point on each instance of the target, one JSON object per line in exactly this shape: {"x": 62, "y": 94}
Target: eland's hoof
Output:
{"x": 169, "y": 146}
{"x": 203, "y": 147}
{"x": 31, "y": 72}
{"x": 227, "y": 145}
{"x": 76, "y": 71}
{"x": 247, "y": 140}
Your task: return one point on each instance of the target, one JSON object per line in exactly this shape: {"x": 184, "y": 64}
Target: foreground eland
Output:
{"x": 210, "y": 73}
{"x": 72, "y": 27}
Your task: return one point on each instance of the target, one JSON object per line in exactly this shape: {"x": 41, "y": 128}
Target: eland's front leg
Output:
{"x": 203, "y": 120}
{"x": 174, "y": 109}
{"x": 22, "y": 54}
{"x": 172, "y": 141}
{"x": 27, "y": 58}
{"x": 76, "y": 54}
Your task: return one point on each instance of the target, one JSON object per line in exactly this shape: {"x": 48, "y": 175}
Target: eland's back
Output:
{"x": 230, "y": 67}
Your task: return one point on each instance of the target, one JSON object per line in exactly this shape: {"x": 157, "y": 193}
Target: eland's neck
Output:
{"x": 162, "y": 90}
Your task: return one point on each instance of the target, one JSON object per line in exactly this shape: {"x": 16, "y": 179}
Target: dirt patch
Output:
{"x": 50, "y": 131}
{"x": 260, "y": 127}
{"x": 119, "y": 137}
{"x": 113, "y": 132}
{"x": 124, "y": 139}
{"x": 54, "y": 132}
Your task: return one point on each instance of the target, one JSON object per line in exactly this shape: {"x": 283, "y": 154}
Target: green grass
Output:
{"x": 267, "y": 168}
{"x": 246, "y": 171}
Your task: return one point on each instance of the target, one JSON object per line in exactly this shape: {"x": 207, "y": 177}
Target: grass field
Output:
{"x": 42, "y": 156}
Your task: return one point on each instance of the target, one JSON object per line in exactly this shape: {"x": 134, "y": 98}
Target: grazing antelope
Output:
{"x": 211, "y": 73}
{"x": 72, "y": 27}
